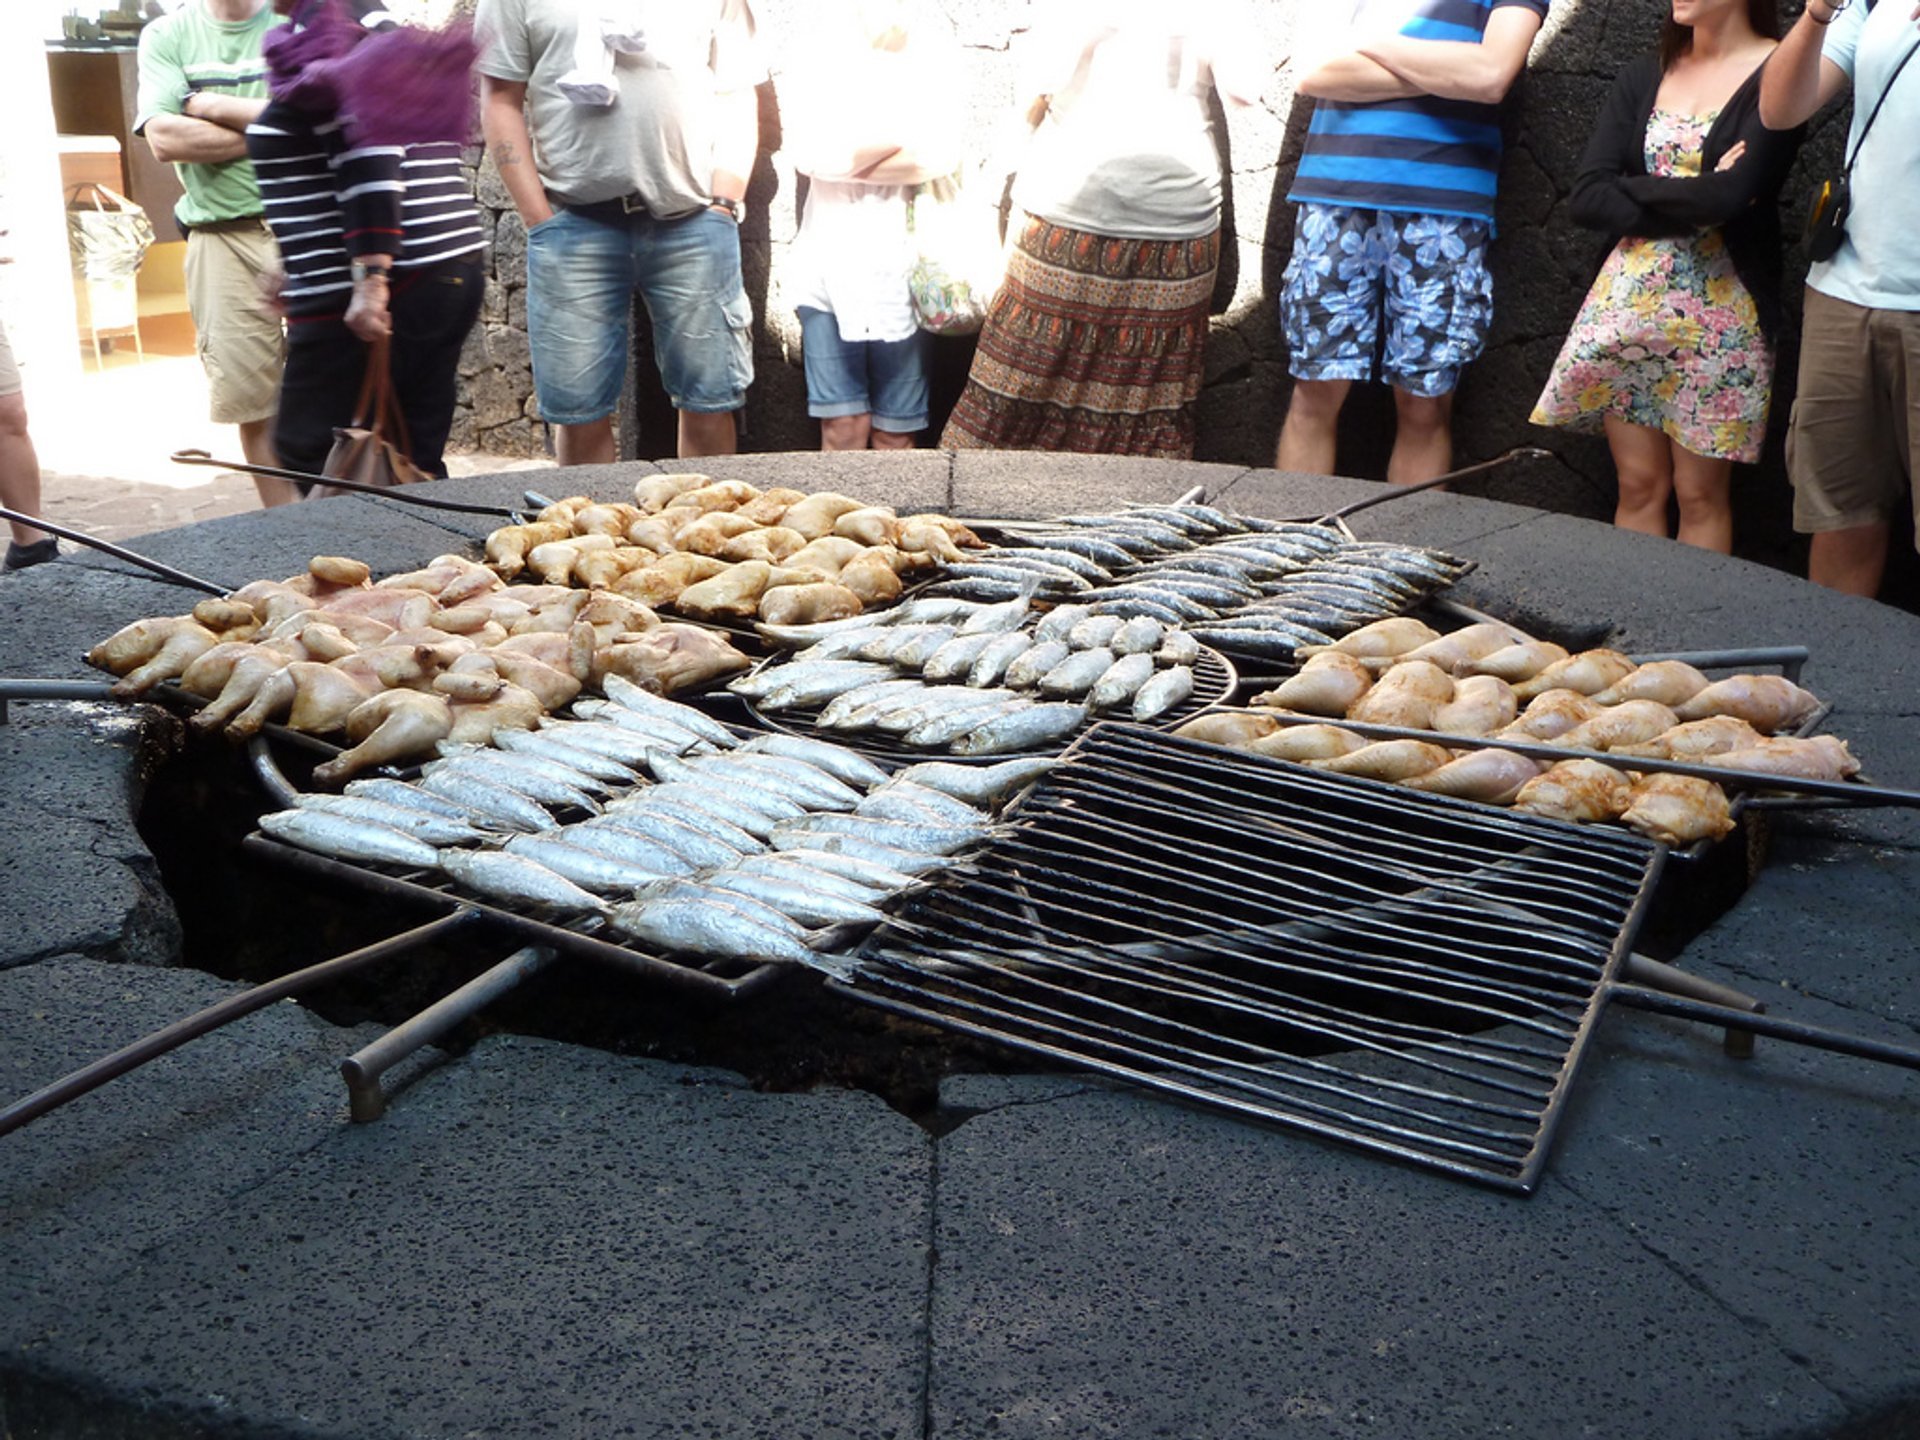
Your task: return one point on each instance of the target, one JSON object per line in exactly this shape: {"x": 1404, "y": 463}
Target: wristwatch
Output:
{"x": 359, "y": 271}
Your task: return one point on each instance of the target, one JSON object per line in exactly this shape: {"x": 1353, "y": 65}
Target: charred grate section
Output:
{"x": 1402, "y": 972}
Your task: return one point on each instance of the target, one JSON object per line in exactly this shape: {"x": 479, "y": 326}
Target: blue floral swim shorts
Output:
{"x": 1427, "y": 274}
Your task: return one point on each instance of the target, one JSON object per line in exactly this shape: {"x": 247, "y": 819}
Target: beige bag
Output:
{"x": 366, "y": 452}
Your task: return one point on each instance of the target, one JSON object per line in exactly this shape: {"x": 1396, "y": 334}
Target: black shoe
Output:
{"x": 19, "y": 556}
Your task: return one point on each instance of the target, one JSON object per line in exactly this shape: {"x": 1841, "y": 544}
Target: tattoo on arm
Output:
{"x": 504, "y": 154}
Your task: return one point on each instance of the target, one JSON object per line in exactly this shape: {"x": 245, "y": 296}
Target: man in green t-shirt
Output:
{"x": 202, "y": 82}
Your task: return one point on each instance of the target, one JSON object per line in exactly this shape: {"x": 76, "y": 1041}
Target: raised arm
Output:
{"x": 1799, "y": 80}
{"x": 1455, "y": 70}
{"x": 503, "y": 125}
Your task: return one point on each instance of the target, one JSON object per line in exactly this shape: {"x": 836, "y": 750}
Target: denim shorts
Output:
{"x": 886, "y": 379}
{"x": 1427, "y": 274}
{"x": 581, "y": 275}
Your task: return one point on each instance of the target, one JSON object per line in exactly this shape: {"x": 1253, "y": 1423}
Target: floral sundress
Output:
{"x": 1668, "y": 337}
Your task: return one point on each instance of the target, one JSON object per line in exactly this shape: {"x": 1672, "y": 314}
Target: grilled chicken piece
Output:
{"x": 1819, "y": 757}
{"x": 561, "y": 512}
{"x": 1697, "y": 739}
{"x": 1407, "y": 695}
{"x": 1481, "y": 704}
{"x": 1550, "y": 715}
{"x": 1307, "y": 743}
{"x": 1491, "y": 776}
{"x": 670, "y": 658}
{"x": 1238, "y": 728}
{"x": 207, "y": 676}
{"x": 870, "y": 525}
{"x": 666, "y": 579}
{"x": 508, "y": 547}
{"x": 715, "y": 495}
{"x": 508, "y": 708}
{"x": 873, "y": 576}
{"x": 806, "y": 604}
{"x": 709, "y": 534}
{"x": 598, "y": 569}
{"x": 1462, "y": 647}
{"x": 315, "y": 698}
{"x": 613, "y": 616}
{"x": 554, "y": 561}
{"x": 227, "y": 618}
{"x": 1330, "y": 683}
{"x": 771, "y": 543}
{"x": 732, "y": 594}
{"x": 1633, "y": 722}
{"x": 1389, "y": 760}
{"x": 1678, "y": 809}
{"x": 769, "y": 506}
{"x": 1577, "y": 790}
{"x": 815, "y": 515}
{"x": 827, "y": 554}
{"x": 1670, "y": 682}
{"x": 1515, "y": 663}
{"x": 393, "y": 725}
{"x": 245, "y": 676}
{"x": 1589, "y": 672}
{"x": 955, "y": 530}
{"x": 653, "y": 492}
{"x": 1766, "y": 702}
{"x": 925, "y": 535}
{"x": 1381, "y": 639}
{"x": 612, "y": 520}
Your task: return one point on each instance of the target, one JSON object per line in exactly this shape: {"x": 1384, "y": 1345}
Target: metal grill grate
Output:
{"x": 1402, "y": 972}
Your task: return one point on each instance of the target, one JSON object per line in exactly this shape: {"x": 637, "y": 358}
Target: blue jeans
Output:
{"x": 581, "y": 275}
{"x": 886, "y": 379}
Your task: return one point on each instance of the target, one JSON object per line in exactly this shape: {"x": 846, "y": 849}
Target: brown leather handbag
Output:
{"x": 373, "y": 449}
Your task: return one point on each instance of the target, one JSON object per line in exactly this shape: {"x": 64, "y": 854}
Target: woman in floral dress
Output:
{"x": 1672, "y": 353}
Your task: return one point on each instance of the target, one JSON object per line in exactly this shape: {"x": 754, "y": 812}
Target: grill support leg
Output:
{"x": 366, "y": 1100}
{"x": 1656, "y": 976}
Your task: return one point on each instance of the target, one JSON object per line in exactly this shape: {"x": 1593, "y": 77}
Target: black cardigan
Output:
{"x": 1614, "y": 193}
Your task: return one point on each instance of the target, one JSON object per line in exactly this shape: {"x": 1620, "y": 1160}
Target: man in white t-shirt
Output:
{"x": 625, "y": 134}
{"x": 1854, "y": 444}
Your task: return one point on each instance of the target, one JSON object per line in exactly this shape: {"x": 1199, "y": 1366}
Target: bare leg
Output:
{"x": 1422, "y": 438}
{"x": 845, "y": 432}
{"x": 892, "y": 440}
{"x": 1308, "y": 434}
{"x": 588, "y": 444}
{"x": 1851, "y": 561}
{"x": 19, "y": 468}
{"x": 1643, "y": 460}
{"x": 1704, "y": 487}
{"x": 707, "y": 434}
{"x": 256, "y": 443}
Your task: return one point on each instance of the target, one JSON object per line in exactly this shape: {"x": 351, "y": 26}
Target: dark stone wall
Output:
{"x": 1542, "y": 265}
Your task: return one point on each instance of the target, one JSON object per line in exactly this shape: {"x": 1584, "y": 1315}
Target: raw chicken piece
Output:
{"x": 1383, "y": 638}
{"x": 732, "y": 594}
{"x": 507, "y": 547}
{"x": 710, "y": 533}
{"x": 827, "y": 554}
{"x": 207, "y": 676}
{"x": 562, "y": 511}
{"x": 244, "y": 679}
{"x": 1819, "y": 757}
{"x": 671, "y": 658}
{"x": 549, "y": 684}
{"x": 1491, "y": 776}
{"x": 653, "y": 492}
{"x": 557, "y": 615}
{"x": 570, "y": 653}
{"x": 955, "y": 530}
{"x": 1576, "y": 790}
{"x": 1238, "y": 728}
{"x": 1766, "y": 702}
{"x": 666, "y": 579}
{"x": 870, "y": 525}
{"x": 272, "y": 600}
{"x": 315, "y": 699}
{"x": 1697, "y": 739}
{"x": 872, "y": 575}
{"x": 611, "y": 520}
{"x": 227, "y": 617}
{"x": 1550, "y": 715}
{"x": 1389, "y": 760}
{"x": 1589, "y": 672}
{"x": 1305, "y": 743}
{"x": 1678, "y": 809}
{"x": 341, "y": 571}
{"x": 772, "y": 543}
{"x": 807, "y": 604}
{"x": 1462, "y": 647}
{"x": 1515, "y": 663}
{"x": 1328, "y": 684}
{"x": 393, "y": 725}
{"x": 509, "y": 708}
{"x": 1481, "y": 704}
{"x": 1671, "y": 682}
{"x": 613, "y": 616}
{"x": 402, "y": 609}
{"x": 1632, "y": 723}
{"x": 1407, "y": 695}
{"x": 815, "y": 515}
{"x": 715, "y": 495}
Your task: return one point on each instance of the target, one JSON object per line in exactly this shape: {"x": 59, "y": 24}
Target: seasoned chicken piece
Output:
{"x": 1589, "y": 672}
{"x": 872, "y": 576}
{"x": 606, "y": 520}
{"x": 1407, "y": 695}
{"x": 710, "y": 533}
{"x": 922, "y": 536}
{"x": 1392, "y": 760}
{"x": 1328, "y": 684}
{"x": 663, "y": 582}
{"x": 507, "y": 547}
{"x": 508, "y": 708}
{"x": 393, "y": 725}
{"x": 1550, "y": 715}
{"x": 955, "y": 530}
{"x": 613, "y": 616}
{"x": 1238, "y": 728}
{"x": 563, "y": 511}
{"x": 806, "y": 604}
{"x": 653, "y": 533}
{"x": 553, "y": 562}
{"x": 732, "y": 594}
{"x": 1493, "y": 777}
{"x": 551, "y": 685}
{"x": 244, "y": 679}
{"x": 1481, "y": 704}
{"x": 570, "y": 652}
{"x": 670, "y": 658}
{"x": 652, "y": 492}
{"x": 1577, "y": 790}
{"x": 556, "y": 615}
{"x": 827, "y": 554}
{"x": 1670, "y": 682}
{"x": 1306, "y": 743}
{"x": 1678, "y": 809}
{"x": 1766, "y": 702}
{"x": 870, "y": 525}
{"x": 772, "y": 543}
{"x": 226, "y": 618}
{"x": 1697, "y": 739}
{"x": 600, "y": 568}
{"x": 1819, "y": 757}
{"x": 1514, "y": 663}
{"x": 272, "y": 600}
{"x": 1382, "y": 639}
{"x": 714, "y": 496}
{"x": 768, "y": 506}
{"x": 340, "y": 570}
{"x": 1633, "y": 722}
{"x": 314, "y": 699}
{"x": 1461, "y": 647}
{"x": 434, "y": 578}
{"x": 815, "y": 515}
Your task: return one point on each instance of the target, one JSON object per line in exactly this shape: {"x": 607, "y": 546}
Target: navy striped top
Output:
{"x": 1421, "y": 155}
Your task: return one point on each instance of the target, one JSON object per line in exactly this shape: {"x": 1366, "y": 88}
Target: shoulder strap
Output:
{"x": 1885, "y": 91}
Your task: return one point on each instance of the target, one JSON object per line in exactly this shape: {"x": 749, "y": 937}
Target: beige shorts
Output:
{"x": 241, "y": 346}
{"x": 9, "y": 372}
{"x": 1853, "y": 447}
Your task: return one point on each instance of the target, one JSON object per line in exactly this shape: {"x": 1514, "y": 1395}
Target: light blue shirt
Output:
{"x": 1878, "y": 265}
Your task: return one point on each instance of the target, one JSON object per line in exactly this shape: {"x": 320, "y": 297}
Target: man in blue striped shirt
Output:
{"x": 1395, "y": 191}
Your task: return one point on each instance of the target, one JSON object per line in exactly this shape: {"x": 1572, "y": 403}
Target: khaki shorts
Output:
{"x": 241, "y": 346}
{"x": 1853, "y": 446}
{"x": 9, "y": 372}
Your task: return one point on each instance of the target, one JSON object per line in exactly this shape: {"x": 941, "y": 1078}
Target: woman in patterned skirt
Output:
{"x": 1096, "y": 339}
{"x": 1672, "y": 353}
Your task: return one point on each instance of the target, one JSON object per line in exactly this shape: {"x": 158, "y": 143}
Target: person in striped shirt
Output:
{"x": 379, "y": 235}
{"x": 1395, "y": 196}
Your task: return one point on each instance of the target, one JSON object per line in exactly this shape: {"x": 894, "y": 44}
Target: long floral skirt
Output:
{"x": 1093, "y": 345}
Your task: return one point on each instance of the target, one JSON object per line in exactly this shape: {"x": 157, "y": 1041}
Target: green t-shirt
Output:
{"x": 188, "y": 51}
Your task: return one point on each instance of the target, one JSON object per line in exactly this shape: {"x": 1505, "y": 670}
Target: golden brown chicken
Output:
{"x": 1517, "y": 662}
{"x": 733, "y": 594}
{"x": 808, "y": 603}
{"x": 507, "y": 548}
{"x": 611, "y": 520}
{"x": 1678, "y": 809}
{"x": 1576, "y": 790}
{"x": 1330, "y": 683}
{"x": 870, "y": 525}
{"x": 1697, "y": 739}
{"x": 1493, "y": 777}
{"x": 1392, "y": 760}
{"x": 872, "y": 576}
{"x": 1407, "y": 695}
{"x": 305, "y": 695}
{"x": 599, "y": 569}
{"x": 1550, "y": 715}
{"x": 393, "y": 725}
{"x": 768, "y": 506}
{"x": 1228, "y": 727}
{"x": 1633, "y": 722}
{"x": 710, "y": 533}
{"x": 147, "y": 652}
{"x": 666, "y": 579}
{"x": 1766, "y": 702}
{"x": 772, "y": 543}
{"x": 1481, "y": 704}
{"x": 1589, "y": 672}
{"x": 715, "y": 495}
{"x": 1817, "y": 757}
{"x": 1305, "y": 743}
{"x": 1670, "y": 682}
{"x": 553, "y": 562}
{"x": 815, "y": 515}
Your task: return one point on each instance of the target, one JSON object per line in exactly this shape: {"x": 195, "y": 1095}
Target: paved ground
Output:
{"x": 548, "y": 1240}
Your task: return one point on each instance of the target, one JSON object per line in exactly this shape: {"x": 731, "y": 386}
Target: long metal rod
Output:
{"x": 402, "y": 493}
{"x": 119, "y": 552}
{"x": 1772, "y": 1026}
{"x": 1668, "y": 979}
{"x": 366, "y": 1100}
{"x": 150, "y": 1047}
{"x": 52, "y": 690}
{"x": 1400, "y": 492}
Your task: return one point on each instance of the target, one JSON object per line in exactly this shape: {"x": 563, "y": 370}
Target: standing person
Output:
{"x": 1096, "y": 341}
{"x": 358, "y": 155}
{"x": 1395, "y": 191}
{"x": 1853, "y": 445}
{"x": 19, "y": 470}
{"x": 1672, "y": 353}
{"x": 625, "y": 134}
{"x": 202, "y": 82}
{"x": 872, "y": 109}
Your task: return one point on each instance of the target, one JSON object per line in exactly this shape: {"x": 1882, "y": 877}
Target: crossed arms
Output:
{"x": 1384, "y": 65}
